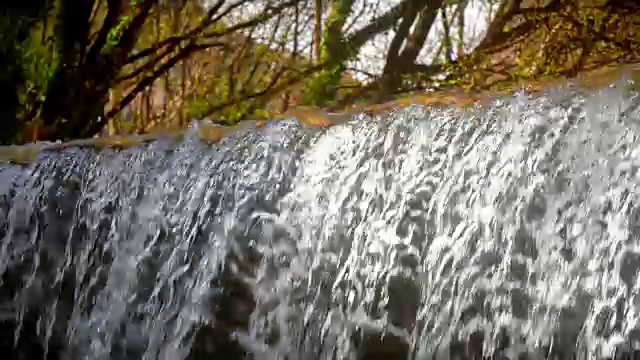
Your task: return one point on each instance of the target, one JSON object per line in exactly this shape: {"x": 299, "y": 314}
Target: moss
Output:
{"x": 323, "y": 88}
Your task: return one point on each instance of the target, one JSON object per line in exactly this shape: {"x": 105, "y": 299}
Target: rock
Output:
{"x": 231, "y": 308}
{"x": 383, "y": 347}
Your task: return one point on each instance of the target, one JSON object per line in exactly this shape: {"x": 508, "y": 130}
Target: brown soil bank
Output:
{"x": 319, "y": 118}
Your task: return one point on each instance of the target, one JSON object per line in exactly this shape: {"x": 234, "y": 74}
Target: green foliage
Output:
{"x": 39, "y": 67}
{"x": 39, "y": 58}
{"x": 201, "y": 105}
{"x": 323, "y": 88}
{"x": 29, "y": 60}
{"x": 35, "y": 68}
{"x": 198, "y": 107}
{"x": 113, "y": 37}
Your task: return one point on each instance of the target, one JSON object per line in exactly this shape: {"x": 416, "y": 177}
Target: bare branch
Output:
{"x": 380, "y": 24}
{"x": 150, "y": 78}
{"x": 272, "y": 89}
{"x": 110, "y": 21}
{"x": 199, "y": 31}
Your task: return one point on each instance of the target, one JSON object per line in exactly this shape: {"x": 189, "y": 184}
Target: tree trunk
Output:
{"x": 334, "y": 53}
{"x": 317, "y": 31}
{"x": 391, "y": 74}
{"x": 504, "y": 14}
{"x": 402, "y": 62}
{"x": 73, "y": 97}
{"x": 448, "y": 51}
{"x": 461, "y": 8}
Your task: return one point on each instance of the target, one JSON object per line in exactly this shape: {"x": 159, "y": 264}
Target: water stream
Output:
{"x": 509, "y": 230}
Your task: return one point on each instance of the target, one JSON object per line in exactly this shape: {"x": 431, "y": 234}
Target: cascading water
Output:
{"x": 509, "y": 230}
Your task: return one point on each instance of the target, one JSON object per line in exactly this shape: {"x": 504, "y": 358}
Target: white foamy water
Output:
{"x": 514, "y": 223}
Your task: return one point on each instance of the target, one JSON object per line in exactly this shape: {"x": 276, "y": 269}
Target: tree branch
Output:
{"x": 399, "y": 37}
{"x": 149, "y": 79}
{"x": 269, "y": 90}
{"x": 110, "y": 21}
{"x": 418, "y": 37}
{"x": 506, "y": 11}
{"x": 130, "y": 34}
{"x": 199, "y": 30}
{"x": 380, "y": 24}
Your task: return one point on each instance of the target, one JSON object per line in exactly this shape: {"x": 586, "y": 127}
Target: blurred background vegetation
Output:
{"x": 82, "y": 68}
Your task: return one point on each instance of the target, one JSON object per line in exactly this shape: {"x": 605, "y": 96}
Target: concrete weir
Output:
{"x": 449, "y": 225}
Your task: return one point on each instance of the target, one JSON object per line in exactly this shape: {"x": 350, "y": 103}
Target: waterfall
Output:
{"x": 510, "y": 229}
